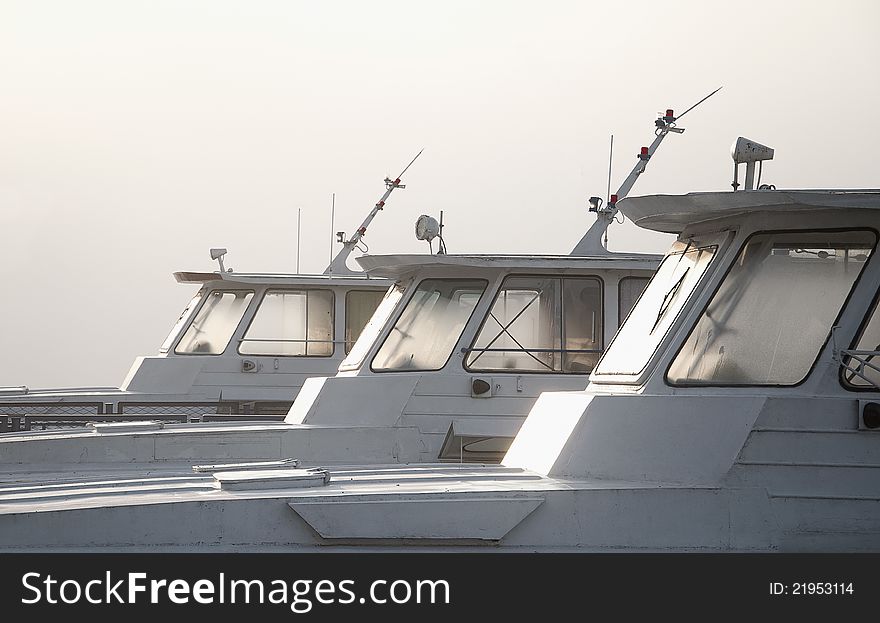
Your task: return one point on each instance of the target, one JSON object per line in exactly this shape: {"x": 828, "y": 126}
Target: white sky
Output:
{"x": 134, "y": 135}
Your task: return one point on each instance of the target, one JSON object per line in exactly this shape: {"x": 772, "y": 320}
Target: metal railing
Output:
{"x": 860, "y": 363}
{"x": 55, "y": 407}
{"x": 306, "y": 344}
{"x": 16, "y": 417}
{"x": 531, "y": 352}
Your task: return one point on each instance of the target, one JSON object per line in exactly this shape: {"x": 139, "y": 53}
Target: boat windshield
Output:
{"x": 659, "y": 305}
{"x": 213, "y": 326}
{"x": 430, "y": 325}
{"x": 371, "y": 330}
{"x": 359, "y": 308}
{"x": 181, "y": 321}
{"x": 770, "y": 317}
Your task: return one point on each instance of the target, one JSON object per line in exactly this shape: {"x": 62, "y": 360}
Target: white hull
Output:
{"x": 538, "y": 515}
{"x": 772, "y": 481}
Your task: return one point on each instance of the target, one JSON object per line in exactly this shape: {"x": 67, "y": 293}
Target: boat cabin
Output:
{"x": 462, "y": 345}
{"x": 735, "y": 410}
{"x": 752, "y": 355}
{"x": 244, "y": 344}
{"x": 785, "y": 290}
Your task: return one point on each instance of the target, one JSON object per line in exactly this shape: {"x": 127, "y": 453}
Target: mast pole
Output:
{"x": 337, "y": 264}
{"x": 592, "y": 243}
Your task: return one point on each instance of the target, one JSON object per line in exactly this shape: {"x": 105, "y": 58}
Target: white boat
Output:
{"x": 446, "y": 369}
{"x": 243, "y": 346}
{"x": 737, "y": 409}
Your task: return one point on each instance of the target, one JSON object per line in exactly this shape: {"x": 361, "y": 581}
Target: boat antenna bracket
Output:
{"x": 748, "y": 152}
{"x": 338, "y": 265}
{"x": 594, "y": 241}
{"x": 217, "y": 254}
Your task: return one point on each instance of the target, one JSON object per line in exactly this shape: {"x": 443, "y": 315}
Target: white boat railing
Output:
{"x": 860, "y": 363}
{"x": 856, "y": 362}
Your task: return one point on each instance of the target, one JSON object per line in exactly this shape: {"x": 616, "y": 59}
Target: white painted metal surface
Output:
{"x": 405, "y": 415}
{"x": 633, "y": 463}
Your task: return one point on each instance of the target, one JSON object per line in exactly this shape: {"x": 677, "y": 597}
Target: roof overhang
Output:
{"x": 672, "y": 213}
{"x": 397, "y": 266}
{"x": 280, "y": 279}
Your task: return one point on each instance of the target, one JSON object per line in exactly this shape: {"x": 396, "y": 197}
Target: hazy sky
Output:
{"x": 134, "y": 135}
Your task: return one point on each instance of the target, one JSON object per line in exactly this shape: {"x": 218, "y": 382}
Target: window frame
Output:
{"x": 195, "y": 315}
{"x": 266, "y": 292}
{"x": 183, "y": 321}
{"x": 402, "y": 309}
{"x": 403, "y": 288}
{"x": 345, "y": 348}
{"x": 719, "y": 245}
{"x": 561, "y": 318}
{"x": 723, "y": 279}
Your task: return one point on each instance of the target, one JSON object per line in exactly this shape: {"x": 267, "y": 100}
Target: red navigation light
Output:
{"x": 613, "y": 199}
{"x": 669, "y": 112}
{"x": 644, "y": 151}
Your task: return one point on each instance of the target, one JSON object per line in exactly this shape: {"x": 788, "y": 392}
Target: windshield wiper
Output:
{"x": 668, "y": 298}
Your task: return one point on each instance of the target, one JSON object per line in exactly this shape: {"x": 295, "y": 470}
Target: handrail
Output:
{"x": 531, "y": 350}
{"x": 863, "y": 357}
{"x": 288, "y": 340}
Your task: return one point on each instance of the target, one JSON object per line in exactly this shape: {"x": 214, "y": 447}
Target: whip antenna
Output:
{"x": 700, "y": 102}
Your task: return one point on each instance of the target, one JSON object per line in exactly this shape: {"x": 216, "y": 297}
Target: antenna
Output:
{"x": 337, "y": 264}
{"x": 608, "y": 193}
{"x": 591, "y": 243}
{"x": 700, "y": 102}
{"x": 441, "y": 248}
{"x": 298, "y": 220}
{"x": 610, "y": 156}
{"x": 332, "y": 219}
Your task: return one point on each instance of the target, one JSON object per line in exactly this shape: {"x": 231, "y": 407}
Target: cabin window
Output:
{"x": 430, "y": 325}
{"x": 657, "y": 308}
{"x": 291, "y": 323}
{"x": 373, "y": 328}
{"x": 213, "y": 326}
{"x": 359, "y": 308}
{"x": 771, "y": 315}
{"x": 181, "y": 321}
{"x": 862, "y": 368}
{"x": 541, "y": 324}
{"x": 629, "y": 289}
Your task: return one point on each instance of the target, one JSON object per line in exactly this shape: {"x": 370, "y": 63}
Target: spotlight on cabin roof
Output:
{"x": 427, "y": 228}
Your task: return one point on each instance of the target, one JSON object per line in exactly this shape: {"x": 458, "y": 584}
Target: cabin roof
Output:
{"x": 394, "y": 266}
{"x": 672, "y": 213}
{"x": 281, "y": 279}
